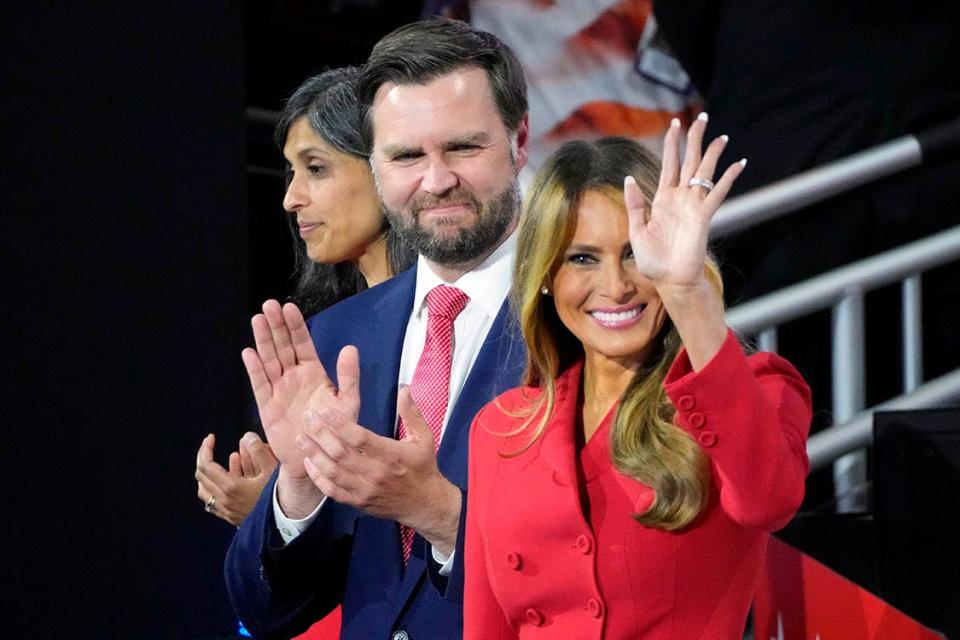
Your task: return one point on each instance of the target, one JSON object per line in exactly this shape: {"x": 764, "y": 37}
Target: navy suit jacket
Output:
{"x": 345, "y": 556}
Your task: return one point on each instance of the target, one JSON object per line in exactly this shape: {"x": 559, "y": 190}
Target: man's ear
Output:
{"x": 522, "y": 135}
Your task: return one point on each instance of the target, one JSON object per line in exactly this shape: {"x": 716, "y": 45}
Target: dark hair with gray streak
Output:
{"x": 330, "y": 103}
{"x": 423, "y": 51}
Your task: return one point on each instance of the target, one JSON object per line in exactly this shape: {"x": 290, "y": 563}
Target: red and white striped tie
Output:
{"x": 430, "y": 387}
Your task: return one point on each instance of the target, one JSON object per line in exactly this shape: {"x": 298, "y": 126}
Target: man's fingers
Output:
{"x": 266, "y": 349}
{"x": 348, "y": 378}
{"x": 326, "y": 479}
{"x": 299, "y": 335}
{"x": 347, "y": 442}
{"x": 280, "y": 333}
{"x": 334, "y": 462}
{"x": 259, "y": 380}
{"x": 416, "y": 425}
{"x": 326, "y": 430}
{"x": 301, "y": 341}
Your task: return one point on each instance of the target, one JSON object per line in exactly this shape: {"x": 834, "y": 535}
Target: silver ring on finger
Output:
{"x": 210, "y": 504}
{"x": 702, "y": 182}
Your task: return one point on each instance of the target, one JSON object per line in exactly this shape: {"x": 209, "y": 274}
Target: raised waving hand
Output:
{"x": 669, "y": 236}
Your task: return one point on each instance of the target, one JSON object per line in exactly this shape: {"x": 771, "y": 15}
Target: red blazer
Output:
{"x": 536, "y": 568}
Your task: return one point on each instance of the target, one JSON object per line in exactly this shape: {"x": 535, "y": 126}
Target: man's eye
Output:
{"x": 406, "y": 157}
{"x": 466, "y": 147}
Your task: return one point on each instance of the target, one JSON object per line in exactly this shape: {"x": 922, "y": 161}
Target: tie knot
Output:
{"x": 446, "y": 302}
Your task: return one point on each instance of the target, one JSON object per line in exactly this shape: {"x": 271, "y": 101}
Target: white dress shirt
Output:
{"x": 487, "y": 285}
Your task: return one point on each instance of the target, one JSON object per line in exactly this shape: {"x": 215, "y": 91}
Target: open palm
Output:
{"x": 287, "y": 379}
{"x": 669, "y": 236}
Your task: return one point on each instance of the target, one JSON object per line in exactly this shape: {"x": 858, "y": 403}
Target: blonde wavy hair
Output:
{"x": 645, "y": 443}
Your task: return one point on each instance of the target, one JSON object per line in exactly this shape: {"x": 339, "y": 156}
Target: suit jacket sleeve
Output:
{"x": 751, "y": 417}
{"x": 450, "y": 587}
{"x": 280, "y": 590}
{"x": 483, "y": 619}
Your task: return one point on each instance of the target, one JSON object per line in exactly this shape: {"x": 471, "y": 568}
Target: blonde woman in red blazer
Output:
{"x": 629, "y": 488}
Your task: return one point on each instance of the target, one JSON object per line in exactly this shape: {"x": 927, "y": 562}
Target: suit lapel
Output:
{"x": 379, "y": 367}
{"x": 557, "y": 445}
{"x": 498, "y": 367}
{"x": 381, "y": 360}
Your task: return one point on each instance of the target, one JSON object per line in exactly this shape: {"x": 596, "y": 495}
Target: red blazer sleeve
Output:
{"x": 751, "y": 416}
{"x": 483, "y": 619}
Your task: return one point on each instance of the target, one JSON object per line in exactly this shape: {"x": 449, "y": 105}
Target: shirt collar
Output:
{"x": 487, "y": 284}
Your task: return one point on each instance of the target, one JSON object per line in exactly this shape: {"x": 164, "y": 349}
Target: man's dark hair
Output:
{"x": 330, "y": 104}
{"x": 423, "y": 51}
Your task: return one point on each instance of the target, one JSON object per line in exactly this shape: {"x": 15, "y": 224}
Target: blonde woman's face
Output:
{"x": 599, "y": 294}
{"x": 332, "y": 196}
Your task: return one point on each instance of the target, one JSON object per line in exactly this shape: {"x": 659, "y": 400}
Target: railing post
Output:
{"x": 849, "y": 396}
{"x": 767, "y": 340}
{"x": 912, "y": 307}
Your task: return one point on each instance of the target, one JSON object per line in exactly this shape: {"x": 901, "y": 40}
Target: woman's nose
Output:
{"x": 295, "y": 196}
{"x": 617, "y": 283}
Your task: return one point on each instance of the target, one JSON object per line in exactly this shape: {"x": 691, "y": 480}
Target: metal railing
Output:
{"x": 834, "y": 178}
{"x": 825, "y": 446}
{"x": 843, "y": 291}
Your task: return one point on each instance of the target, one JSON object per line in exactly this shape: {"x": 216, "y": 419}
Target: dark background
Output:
{"x": 139, "y": 233}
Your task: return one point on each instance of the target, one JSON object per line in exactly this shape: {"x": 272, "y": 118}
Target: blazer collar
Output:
{"x": 397, "y": 300}
{"x": 558, "y": 444}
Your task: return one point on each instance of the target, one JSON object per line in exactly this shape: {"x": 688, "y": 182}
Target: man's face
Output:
{"x": 446, "y": 167}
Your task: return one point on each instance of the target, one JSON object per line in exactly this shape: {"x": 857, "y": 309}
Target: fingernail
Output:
{"x": 250, "y": 438}
{"x": 725, "y": 138}
{"x": 630, "y": 180}
{"x": 743, "y": 162}
{"x": 703, "y": 116}
{"x": 301, "y": 442}
{"x": 311, "y": 418}
{"x": 675, "y": 122}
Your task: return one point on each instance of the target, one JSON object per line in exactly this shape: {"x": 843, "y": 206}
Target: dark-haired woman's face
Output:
{"x": 600, "y": 296}
{"x": 332, "y": 196}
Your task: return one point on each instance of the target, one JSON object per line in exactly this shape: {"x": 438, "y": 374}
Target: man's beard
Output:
{"x": 470, "y": 243}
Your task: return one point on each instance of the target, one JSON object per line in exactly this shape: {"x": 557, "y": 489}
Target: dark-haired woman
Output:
{"x": 342, "y": 244}
{"x": 629, "y": 488}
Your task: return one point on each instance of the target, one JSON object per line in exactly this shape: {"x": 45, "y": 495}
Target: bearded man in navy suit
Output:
{"x": 447, "y": 131}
